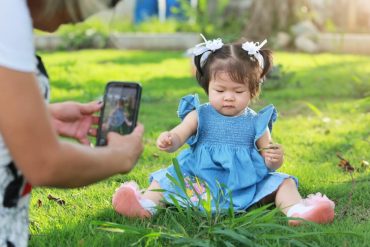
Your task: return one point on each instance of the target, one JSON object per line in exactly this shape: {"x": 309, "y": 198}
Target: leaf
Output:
{"x": 207, "y": 204}
{"x": 177, "y": 204}
{"x": 56, "y": 199}
{"x": 364, "y": 164}
{"x": 119, "y": 228}
{"x": 175, "y": 182}
{"x": 179, "y": 226}
{"x": 233, "y": 235}
{"x": 39, "y": 203}
{"x": 295, "y": 242}
{"x": 231, "y": 207}
{"x": 255, "y": 215}
{"x": 179, "y": 175}
{"x": 228, "y": 244}
{"x": 313, "y": 108}
{"x": 344, "y": 164}
{"x": 155, "y": 155}
{"x": 191, "y": 242}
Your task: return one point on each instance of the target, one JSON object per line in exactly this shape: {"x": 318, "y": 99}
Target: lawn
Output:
{"x": 324, "y": 110}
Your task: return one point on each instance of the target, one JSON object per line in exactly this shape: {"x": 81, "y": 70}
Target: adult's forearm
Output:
{"x": 75, "y": 165}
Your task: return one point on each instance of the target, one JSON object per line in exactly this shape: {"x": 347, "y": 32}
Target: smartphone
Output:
{"x": 120, "y": 109}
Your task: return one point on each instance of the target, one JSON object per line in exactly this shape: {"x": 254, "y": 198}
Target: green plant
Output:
{"x": 258, "y": 227}
{"x": 212, "y": 19}
{"x": 153, "y": 25}
{"x": 278, "y": 78}
{"x": 310, "y": 140}
{"x": 361, "y": 85}
{"x": 90, "y": 34}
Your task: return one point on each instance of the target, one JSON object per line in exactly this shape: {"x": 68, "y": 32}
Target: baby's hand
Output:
{"x": 274, "y": 155}
{"x": 164, "y": 141}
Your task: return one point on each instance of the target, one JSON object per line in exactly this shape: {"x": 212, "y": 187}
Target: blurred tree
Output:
{"x": 267, "y": 16}
{"x": 351, "y": 16}
{"x": 209, "y": 13}
{"x": 205, "y": 13}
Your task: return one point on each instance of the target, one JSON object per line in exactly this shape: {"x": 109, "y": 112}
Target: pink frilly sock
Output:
{"x": 128, "y": 201}
{"x": 316, "y": 208}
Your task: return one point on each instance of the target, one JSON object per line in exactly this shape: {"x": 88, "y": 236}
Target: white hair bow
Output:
{"x": 206, "y": 48}
{"x": 253, "y": 49}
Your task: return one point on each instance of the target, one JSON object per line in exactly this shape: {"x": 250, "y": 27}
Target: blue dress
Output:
{"x": 223, "y": 157}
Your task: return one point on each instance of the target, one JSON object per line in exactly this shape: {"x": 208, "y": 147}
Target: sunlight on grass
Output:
{"x": 321, "y": 113}
{"x": 258, "y": 227}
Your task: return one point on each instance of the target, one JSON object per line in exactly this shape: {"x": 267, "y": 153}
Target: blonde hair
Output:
{"x": 78, "y": 10}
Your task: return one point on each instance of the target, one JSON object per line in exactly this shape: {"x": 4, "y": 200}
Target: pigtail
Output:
{"x": 198, "y": 65}
{"x": 267, "y": 62}
{"x": 199, "y": 74}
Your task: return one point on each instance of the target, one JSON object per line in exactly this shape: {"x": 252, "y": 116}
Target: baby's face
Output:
{"x": 228, "y": 97}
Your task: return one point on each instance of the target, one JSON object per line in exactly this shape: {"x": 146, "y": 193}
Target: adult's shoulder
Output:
{"x": 17, "y": 49}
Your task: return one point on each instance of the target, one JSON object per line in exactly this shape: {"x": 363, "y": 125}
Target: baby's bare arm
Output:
{"x": 172, "y": 140}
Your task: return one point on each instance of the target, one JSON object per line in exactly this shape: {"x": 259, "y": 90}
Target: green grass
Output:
{"x": 324, "y": 108}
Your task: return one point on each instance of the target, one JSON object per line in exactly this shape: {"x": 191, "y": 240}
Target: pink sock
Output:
{"x": 316, "y": 208}
{"x": 127, "y": 200}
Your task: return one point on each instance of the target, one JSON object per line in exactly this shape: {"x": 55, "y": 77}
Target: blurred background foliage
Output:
{"x": 230, "y": 19}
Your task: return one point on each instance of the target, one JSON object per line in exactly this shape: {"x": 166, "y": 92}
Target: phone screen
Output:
{"x": 120, "y": 110}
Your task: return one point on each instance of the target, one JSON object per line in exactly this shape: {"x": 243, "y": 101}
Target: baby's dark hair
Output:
{"x": 241, "y": 67}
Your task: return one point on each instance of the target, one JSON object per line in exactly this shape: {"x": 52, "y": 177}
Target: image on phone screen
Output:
{"x": 119, "y": 112}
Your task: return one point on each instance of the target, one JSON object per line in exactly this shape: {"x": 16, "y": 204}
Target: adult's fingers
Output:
{"x": 92, "y": 132}
{"x": 139, "y": 130}
{"x": 95, "y": 120}
{"x": 91, "y": 107}
{"x": 84, "y": 141}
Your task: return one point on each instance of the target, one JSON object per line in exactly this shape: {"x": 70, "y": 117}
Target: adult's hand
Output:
{"x": 75, "y": 120}
{"x": 129, "y": 146}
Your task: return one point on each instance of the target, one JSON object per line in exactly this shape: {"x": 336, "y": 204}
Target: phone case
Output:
{"x": 120, "y": 110}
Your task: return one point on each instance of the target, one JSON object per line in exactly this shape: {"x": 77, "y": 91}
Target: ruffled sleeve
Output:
{"x": 264, "y": 119}
{"x": 187, "y": 104}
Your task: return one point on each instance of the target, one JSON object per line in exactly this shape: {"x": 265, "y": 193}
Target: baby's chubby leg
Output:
{"x": 130, "y": 202}
{"x": 315, "y": 208}
{"x": 153, "y": 195}
{"x": 287, "y": 195}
